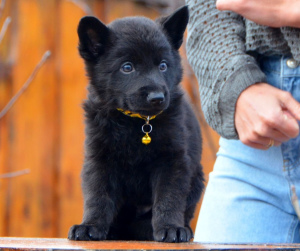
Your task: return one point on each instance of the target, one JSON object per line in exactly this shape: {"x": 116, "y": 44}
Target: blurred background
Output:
{"x": 42, "y": 133}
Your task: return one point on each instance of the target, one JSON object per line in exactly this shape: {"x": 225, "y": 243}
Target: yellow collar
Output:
{"x": 146, "y": 139}
{"x": 137, "y": 115}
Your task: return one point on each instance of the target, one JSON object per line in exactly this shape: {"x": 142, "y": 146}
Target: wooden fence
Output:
{"x": 42, "y": 134}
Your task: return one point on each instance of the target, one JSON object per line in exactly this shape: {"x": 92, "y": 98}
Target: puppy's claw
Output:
{"x": 173, "y": 234}
{"x": 87, "y": 233}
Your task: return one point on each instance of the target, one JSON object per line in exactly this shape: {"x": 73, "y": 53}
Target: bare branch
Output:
{"x": 26, "y": 84}
{"x": 2, "y": 4}
{"x": 82, "y": 5}
{"x": 14, "y": 174}
{"x": 4, "y": 28}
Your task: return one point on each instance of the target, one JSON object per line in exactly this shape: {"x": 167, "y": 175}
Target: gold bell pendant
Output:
{"x": 146, "y": 139}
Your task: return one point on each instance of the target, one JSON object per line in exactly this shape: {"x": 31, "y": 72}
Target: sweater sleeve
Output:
{"x": 217, "y": 54}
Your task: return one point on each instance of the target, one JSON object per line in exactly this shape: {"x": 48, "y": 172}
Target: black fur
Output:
{"x": 134, "y": 191}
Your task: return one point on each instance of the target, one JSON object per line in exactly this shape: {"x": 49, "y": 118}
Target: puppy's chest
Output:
{"x": 121, "y": 142}
{"x": 126, "y": 140}
{"x": 136, "y": 186}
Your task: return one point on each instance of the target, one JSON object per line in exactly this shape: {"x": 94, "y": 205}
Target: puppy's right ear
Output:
{"x": 93, "y": 35}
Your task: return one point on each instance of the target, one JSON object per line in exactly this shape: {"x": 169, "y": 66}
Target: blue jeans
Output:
{"x": 248, "y": 196}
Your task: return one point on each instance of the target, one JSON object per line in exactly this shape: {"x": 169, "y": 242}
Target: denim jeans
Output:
{"x": 248, "y": 196}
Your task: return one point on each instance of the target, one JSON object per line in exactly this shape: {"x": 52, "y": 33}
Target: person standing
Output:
{"x": 249, "y": 81}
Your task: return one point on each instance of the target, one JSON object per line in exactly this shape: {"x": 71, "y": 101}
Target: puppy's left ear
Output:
{"x": 175, "y": 25}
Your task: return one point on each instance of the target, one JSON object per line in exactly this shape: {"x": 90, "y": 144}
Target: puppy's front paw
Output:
{"x": 87, "y": 233}
{"x": 173, "y": 234}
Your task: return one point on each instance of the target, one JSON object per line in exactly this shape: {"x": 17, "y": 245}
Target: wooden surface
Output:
{"x": 44, "y": 131}
{"x": 64, "y": 244}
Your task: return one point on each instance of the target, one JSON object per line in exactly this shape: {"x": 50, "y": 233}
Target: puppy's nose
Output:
{"x": 156, "y": 98}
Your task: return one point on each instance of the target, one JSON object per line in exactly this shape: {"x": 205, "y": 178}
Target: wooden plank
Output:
{"x": 64, "y": 244}
{"x": 30, "y": 197}
{"x": 5, "y": 95}
{"x": 72, "y": 91}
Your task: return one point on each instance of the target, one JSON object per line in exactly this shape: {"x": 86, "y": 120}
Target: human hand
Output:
{"x": 273, "y": 13}
{"x": 265, "y": 113}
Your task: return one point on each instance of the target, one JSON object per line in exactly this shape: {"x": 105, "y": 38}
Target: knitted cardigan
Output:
{"x": 219, "y": 49}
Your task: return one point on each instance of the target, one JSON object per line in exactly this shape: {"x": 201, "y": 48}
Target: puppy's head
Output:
{"x": 133, "y": 63}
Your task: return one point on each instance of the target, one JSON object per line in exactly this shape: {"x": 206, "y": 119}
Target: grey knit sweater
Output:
{"x": 219, "y": 45}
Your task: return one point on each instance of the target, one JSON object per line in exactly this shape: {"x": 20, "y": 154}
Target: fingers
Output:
{"x": 285, "y": 118}
{"x": 259, "y": 133}
{"x": 278, "y": 14}
{"x": 255, "y": 139}
{"x": 228, "y": 5}
{"x": 265, "y": 113}
{"x": 280, "y": 126}
{"x": 263, "y": 146}
{"x": 243, "y": 7}
{"x": 287, "y": 125}
{"x": 266, "y": 129}
{"x": 291, "y": 110}
{"x": 263, "y": 143}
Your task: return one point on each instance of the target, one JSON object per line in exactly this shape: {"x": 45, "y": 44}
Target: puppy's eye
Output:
{"x": 163, "y": 66}
{"x": 127, "y": 68}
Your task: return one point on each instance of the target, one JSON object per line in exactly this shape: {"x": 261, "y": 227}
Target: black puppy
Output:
{"x": 142, "y": 175}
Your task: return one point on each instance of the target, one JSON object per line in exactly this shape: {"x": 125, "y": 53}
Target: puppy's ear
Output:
{"x": 93, "y": 35}
{"x": 175, "y": 25}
